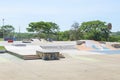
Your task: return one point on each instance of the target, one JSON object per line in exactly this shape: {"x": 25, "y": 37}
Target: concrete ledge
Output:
{"x": 25, "y": 57}
{"x": 79, "y": 42}
{"x": 24, "y": 41}
{"x": 19, "y": 45}
{"x": 116, "y": 45}
{"x": 48, "y": 55}
{"x": 58, "y": 47}
{"x": 2, "y": 51}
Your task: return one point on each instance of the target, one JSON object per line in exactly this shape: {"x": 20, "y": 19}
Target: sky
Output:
{"x": 20, "y": 13}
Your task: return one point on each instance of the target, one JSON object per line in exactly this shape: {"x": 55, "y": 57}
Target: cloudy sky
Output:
{"x": 20, "y": 13}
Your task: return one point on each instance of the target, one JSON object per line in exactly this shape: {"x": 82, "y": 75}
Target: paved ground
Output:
{"x": 84, "y": 67}
{"x": 76, "y": 66}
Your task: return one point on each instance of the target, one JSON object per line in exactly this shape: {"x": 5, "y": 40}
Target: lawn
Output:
{"x": 2, "y": 48}
{"x": 1, "y": 39}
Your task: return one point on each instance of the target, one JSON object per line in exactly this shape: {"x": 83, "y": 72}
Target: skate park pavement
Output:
{"x": 78, "y": 65}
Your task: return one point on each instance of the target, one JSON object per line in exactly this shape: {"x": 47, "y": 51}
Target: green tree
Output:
{"x": 115, "y": 36}
{"x": 7, "y": 30}
{"x": 45, "y": 28}
{"x": 74, "y": 34}
{"x": 96, "y": 30}
{"x": 64, "y": 35}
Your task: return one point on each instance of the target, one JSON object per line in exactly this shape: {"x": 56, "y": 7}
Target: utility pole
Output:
{"x": 3, "y": 28}
{"x": 3, "y": 21}
{"x": 19, "y": 33}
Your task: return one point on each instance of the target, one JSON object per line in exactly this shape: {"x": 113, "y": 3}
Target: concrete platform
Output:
{"x": 24, "y": 52}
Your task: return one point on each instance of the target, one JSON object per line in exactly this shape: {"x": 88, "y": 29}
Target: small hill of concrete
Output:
{"x": 94, "y": 45}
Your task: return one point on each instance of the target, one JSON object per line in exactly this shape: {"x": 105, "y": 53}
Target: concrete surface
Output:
{"x": 29, "y": 51}
{"x": 78, "y": 65}
{"x": 84, "y": 67}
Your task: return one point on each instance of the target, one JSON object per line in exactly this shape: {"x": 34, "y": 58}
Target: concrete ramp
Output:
{"x": 95, "y": 45}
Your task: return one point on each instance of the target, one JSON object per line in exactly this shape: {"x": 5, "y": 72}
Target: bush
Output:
{"x": 114, "y": 38}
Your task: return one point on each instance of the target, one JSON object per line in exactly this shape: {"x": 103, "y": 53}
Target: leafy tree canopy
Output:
{"x": 96, "y": 30}
{"x": 7, "y": 28}
{"x": 41, "y": 27}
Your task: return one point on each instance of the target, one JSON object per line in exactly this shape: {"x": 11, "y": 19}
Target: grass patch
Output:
{"x": 1, "y": 39}
{"x": 2, "y": 48}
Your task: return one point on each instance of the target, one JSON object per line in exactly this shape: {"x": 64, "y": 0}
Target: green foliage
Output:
{"x": 22, "y": 36}
{"x": 116, "y": 33}
{"x": 1, "y": 39}
{"x": 93, "y": 30}
{"x": 1, "y": 34}
{"x": 43, "y": 29}
{"x": 63, "y": 36}
{"x": 115, "y": 37}
{"x": 96, "y": 30}
{"x": 7, "y": 30}
{"x": 74, "y": 33}
{"x": 2, "y": 48}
